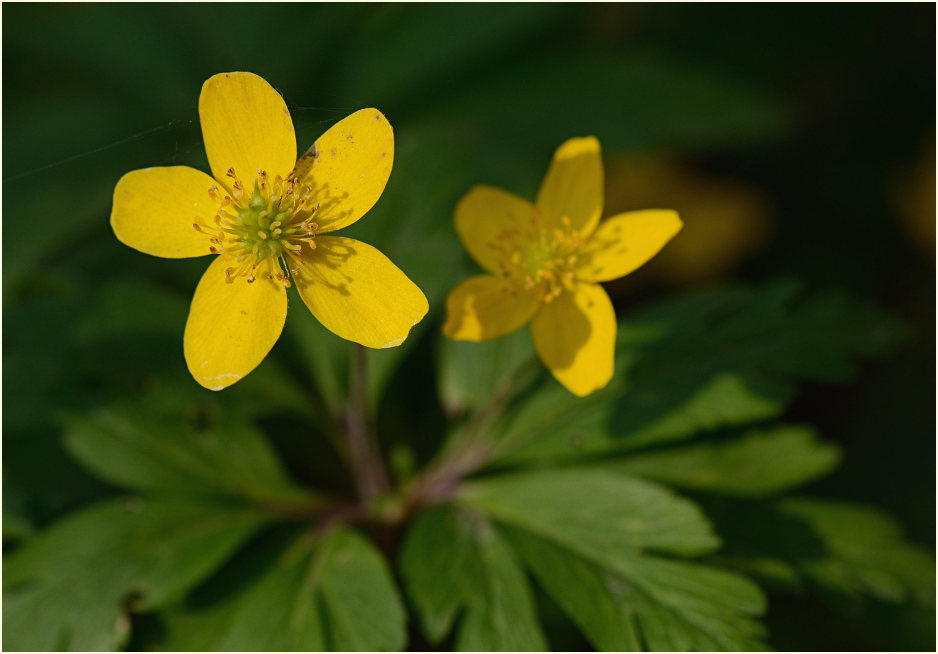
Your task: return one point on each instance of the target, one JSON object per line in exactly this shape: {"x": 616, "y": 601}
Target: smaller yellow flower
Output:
{"x": 267, "y": 216}
{"x": 546, "y": 260}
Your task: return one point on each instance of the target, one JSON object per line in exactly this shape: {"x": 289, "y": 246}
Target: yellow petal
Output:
{"x": 246, "y": 126}
{"x": 358, "y": 293}
{"x": 231, "y": 327}
{"x": 575, "y": 335}
{"x": 348, "y": 167}
{"x": 625, "y": 242}
{"x": 483, "y": 216}
{"x": 154, "y": 210}
{"x": 573, "y": 186}
{"x": 485, "y": 307}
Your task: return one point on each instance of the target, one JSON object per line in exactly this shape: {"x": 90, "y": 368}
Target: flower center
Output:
{"x": 539, "y": 258}
{"x": 262, "y": 232}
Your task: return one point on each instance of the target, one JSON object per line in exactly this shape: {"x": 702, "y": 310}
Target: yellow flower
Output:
{"x": 267, "y": 216}
{"x": 546, "y": 260}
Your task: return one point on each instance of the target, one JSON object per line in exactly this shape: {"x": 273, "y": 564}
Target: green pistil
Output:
{"x": 257, "y": 226}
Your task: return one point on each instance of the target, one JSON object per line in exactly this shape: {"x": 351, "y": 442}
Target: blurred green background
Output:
{"x": 797, "y": 141}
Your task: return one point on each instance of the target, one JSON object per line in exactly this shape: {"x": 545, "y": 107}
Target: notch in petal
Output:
{"x": 231, "y": 327}
{"x": 246, "y": 126}
{"x": 486, "y": 307}
{"x": 626, "y": 242}
{"x": 358, "y": 293}
{"x": 575, "y": 336}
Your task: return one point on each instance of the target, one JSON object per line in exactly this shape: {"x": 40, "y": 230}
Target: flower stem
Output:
{"x": 470, "y": 448}
{"x": 361, "y": 449}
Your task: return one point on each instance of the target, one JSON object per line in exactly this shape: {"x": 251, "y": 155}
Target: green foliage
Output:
{"x": 844, "y": 549}
{"x": 455, "y": 560}
{"x": 324, "y": 593}
{"x": 755, "y": 464}
{"x": 600, "y": 512}
{"x": 702, "y": 362}
{"x": 588, "y": 537}
{"x": 135, "y": 449}
{"x": 867, "y": 552}
{"x": 73, "y": 586}
{"x": 595, "y": 530}
{"x": 648, "y": 603}
{"x": 601, "y": 534}
{"x": 469, "y": 372}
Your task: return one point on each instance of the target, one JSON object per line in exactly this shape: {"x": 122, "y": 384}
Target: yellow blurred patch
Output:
{"x": 916, "y": 202}
{"x": 725, "y": 222}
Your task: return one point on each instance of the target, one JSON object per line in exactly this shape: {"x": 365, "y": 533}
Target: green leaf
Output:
{"x": 329, "y": 593}
{"x": 72, "y": 586}
{"x": 845, "y": 549}
{"x": 706, "y": 361}
{"x": 133, "y": 448}
{"x": 453, "y": 559}
{"x": 867, "y": 552}
{"x": 646, "y": 603}
{"x": 602, "y": 513}
{"x": 587, "y": 535}
{"x": 758, "y": 463}
{"x": 469, "y": 373}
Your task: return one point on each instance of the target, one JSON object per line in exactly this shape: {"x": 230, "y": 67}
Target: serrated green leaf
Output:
{"x": 702, "y": 362}
{"x": 330, "y": 593}
{"x": 72, "y": 586}
{"x": 756, "y": 464}
{"x": 587, "y": 534}
{"x": 135, "y": 449}
{"x": 867, "y": 552}
{"x": 602, "y": 513}
{"x": 647, "y": 603}
{"x": 846, "y": 550}
{"x": 453, "y": 559}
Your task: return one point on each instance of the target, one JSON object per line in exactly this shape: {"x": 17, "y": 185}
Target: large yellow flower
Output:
{"x": 267, "y": 216}
{"x": 546, "y": 260}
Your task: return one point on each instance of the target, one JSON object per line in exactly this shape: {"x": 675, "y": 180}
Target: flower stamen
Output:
{"x": 260, "y": 230}
{"x": 540, "y": 258}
